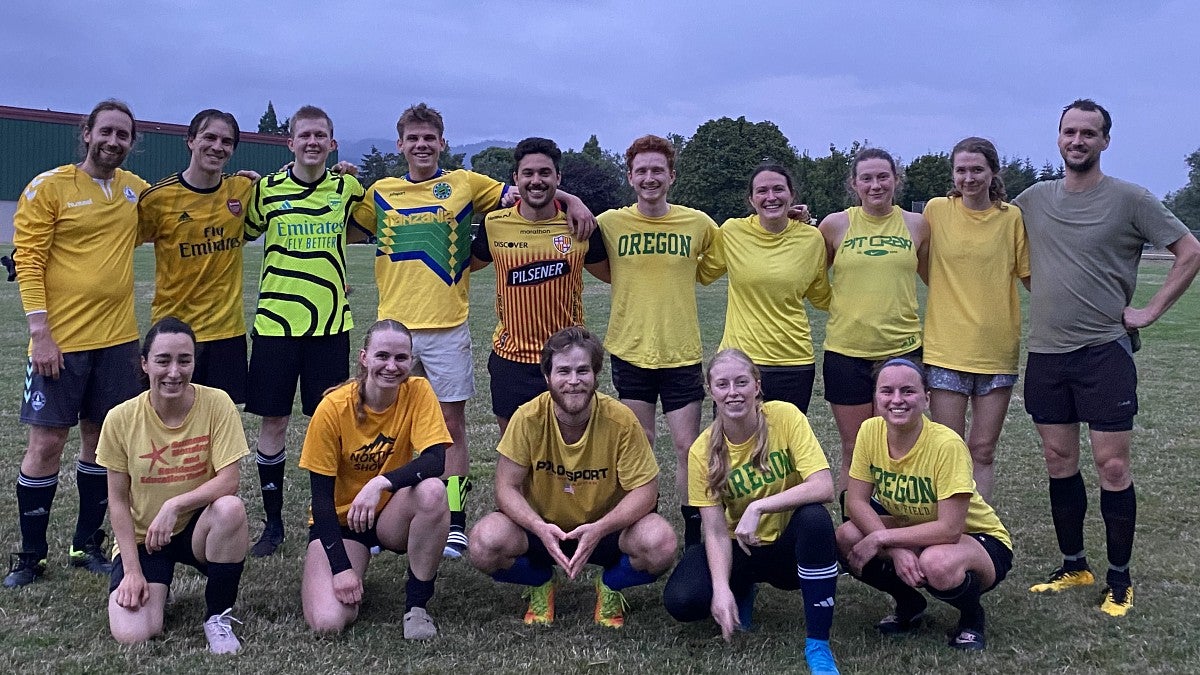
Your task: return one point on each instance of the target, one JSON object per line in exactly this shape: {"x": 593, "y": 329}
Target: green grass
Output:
{"x": 59, "y": 624}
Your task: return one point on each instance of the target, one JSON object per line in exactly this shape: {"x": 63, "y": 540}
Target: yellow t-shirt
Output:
{"x": 973, "y": 313}
{"x": 577, "y": 483}
{"x": 873, "y": 313}
{"x": 337, "y": 445}
{"x": 423, "y": 256}
{"x": 74, "y": 239}
{"x": 164, "y": 462}
{"x": 793, "y": 454}
{"x": 938, "y": 467}
{"x": 770, "y": 275}
{"x": 197, "y": 236}
{"x": 539, "y": 279}
{"x": 653, "y": 321}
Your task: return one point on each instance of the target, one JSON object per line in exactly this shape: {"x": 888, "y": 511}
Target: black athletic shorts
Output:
{"x": 1001, "y": 555}
{"x": 513, "y": 384}
{"x": 793, "y": 384}
{"x": 222, "y": 364}
{"x": 849, "y": 380}
{"x": 1096, "y": 385}
{"x": 677, "y": 387}
{"x": 89, "y": 384}
{"x": 319, "y": 362}
{"x": 370, "y": 538}
{"x": 606, "y": 554}
{"x": 159, "y": 567}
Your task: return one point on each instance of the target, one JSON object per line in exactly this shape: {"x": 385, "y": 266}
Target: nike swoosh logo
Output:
{"x": 329, "y": 547}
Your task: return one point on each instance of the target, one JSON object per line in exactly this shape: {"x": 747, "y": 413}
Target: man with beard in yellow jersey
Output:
{"x": 539, "y": 275}
{"x": 75, "y": 230}
{"x": 195, "y": 220}
{"x": 576, "y": 483}
{"x": 422, "y": 222}
{"x": 654, "y": 337}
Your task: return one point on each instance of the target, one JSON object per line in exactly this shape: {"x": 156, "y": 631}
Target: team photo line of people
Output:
{"x": 576, "y": 480}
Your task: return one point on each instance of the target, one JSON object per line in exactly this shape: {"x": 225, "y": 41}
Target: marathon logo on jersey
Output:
{"x": 130, "y": 195}
{"x": 574, "y": 476}
{"x": 562, "y": 242}
{"x": 877, "y": 245}
{"x": 442, "y": 190}
{"x": 234, "y": 206}
{"x": 538, "y": 272}
{"x": 371, "y": 457}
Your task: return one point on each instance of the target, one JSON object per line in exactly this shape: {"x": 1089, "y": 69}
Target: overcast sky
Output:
{"x": 911, "y": 77}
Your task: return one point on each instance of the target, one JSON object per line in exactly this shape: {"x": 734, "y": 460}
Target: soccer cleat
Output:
{"x": 24, "y": 568}
{"x": 968, "y": 640}
{"x": 610, "y": 606}
{"x": 270, "y": 540}
{"x": 1117, "y": 600}
{"x": 218, "y": 630}
{"x": 418, "y": 625}
{"x": 456, "y": 544}
{"x": 1061, "y": 579}
{"x": 541, "y": 604}
{"x": 91, "y": 556}
{"x": 819, "y": 657}
{"x": 898, "y": 624}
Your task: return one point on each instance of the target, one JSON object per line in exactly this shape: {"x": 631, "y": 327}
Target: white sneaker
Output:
{"x": 418, "y": 625}
{"x": 219, "y": 633}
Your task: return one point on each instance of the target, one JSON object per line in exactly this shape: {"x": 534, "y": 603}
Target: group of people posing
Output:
{"x": 576, "y": 477}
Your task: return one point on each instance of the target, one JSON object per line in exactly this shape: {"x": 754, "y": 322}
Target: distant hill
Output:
{"x": 353, "y": 151}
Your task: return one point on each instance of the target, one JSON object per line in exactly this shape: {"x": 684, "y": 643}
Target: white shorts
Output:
{"x": 443, "y": 355}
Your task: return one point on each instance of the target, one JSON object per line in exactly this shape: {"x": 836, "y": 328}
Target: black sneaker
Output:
{"x": 270, "y": 540}
{"x": 24, "y": 568}
{"x": 91, "y": 556}
{"x": 968, "y": 640}
{"x": 902, "y": 620}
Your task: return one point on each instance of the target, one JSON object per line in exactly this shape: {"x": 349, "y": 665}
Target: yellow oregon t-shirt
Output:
{"x": 423, "y": 255}
{"x": 770, "y": 275}
{"x": 337, "y": 445}
{"x": 164, "y": 462}
{"x": 873, "y": 313}
{"x": 973, "y": 312}
{"x": 653, "y": 322}
{"x": 793, "y": 454}
{"x": 577, "y": 483}
{"x": 197, "y": 235}
{"x": 74, "y": 239}
{"x": 938, "y": 467}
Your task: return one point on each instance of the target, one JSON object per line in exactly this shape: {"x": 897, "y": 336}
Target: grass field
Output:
{"x": 60, "y": 625}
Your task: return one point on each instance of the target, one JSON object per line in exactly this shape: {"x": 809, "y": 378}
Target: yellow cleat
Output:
{"x": 1061, "y": 580}
{"x": 541, "y": 604}
{"x": 1117, "y": 601}
{"x": 610, "y": 606}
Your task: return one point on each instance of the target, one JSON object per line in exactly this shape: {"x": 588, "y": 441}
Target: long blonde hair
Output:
{"x": 359, "y": 381}
{"x": 718, "y": 448}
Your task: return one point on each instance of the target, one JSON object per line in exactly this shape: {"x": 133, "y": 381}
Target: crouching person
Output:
{"x": 576, "y": 483}
{"x": 172, "y": 457}
{"x": 374, "y": 451}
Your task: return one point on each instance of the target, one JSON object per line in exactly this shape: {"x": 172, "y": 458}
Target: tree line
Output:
{"x": 713, "y": 166}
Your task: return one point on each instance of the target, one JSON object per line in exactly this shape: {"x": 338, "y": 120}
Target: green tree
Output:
{"x": 376, "y": 165}
{"x": 1185, "y": 202}
{"x": 269, "y": 123}
{"x": 592, "y": 150}
{"x": 926, "y": 177}
{"x": 495, "y": 161}
{"x": 595, "y": 181}
{"x": 1017, "y": 174}
{"x": 716, "y": 163}
{"x": 822, "y": 181}
{"x": 1051, "y": 172}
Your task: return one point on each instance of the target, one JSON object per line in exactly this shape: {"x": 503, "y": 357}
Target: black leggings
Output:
{"x": 806, "y": 542}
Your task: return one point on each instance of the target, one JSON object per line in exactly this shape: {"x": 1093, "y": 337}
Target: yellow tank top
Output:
{"x": 873, "y": 313}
